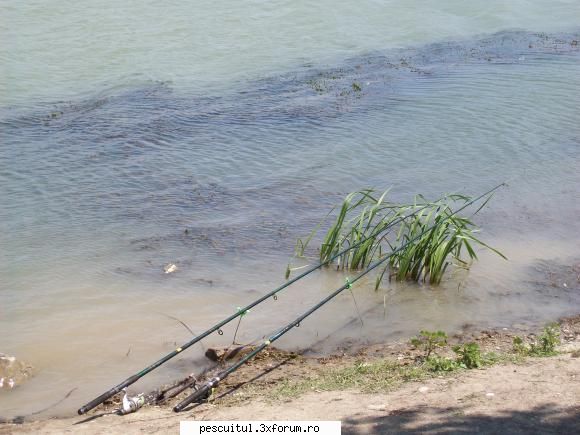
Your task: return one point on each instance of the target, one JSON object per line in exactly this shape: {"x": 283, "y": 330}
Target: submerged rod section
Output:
{"x": 134, "y": 378}
{"x": 205, "y": 390}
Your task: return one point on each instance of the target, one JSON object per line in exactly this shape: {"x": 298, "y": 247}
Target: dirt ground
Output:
{"x": 535, "y": 395}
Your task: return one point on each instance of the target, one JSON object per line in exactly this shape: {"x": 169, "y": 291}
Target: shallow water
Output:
{"x": 117, "y": 138}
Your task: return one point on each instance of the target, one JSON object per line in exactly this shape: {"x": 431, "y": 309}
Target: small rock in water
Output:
{"x": 13, "y": 372}
{"x": 170, "y": 268}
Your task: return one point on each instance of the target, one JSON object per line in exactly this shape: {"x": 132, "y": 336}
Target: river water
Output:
{"x": 211, "y": 136}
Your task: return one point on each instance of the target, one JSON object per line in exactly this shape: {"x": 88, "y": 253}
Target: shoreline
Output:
{"x": 284, "y": 385}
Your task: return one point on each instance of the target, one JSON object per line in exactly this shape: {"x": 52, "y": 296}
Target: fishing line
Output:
{"x": 207, "y": 388}
{"x": 242, "y": 314}
{"x": 134, "y": 378}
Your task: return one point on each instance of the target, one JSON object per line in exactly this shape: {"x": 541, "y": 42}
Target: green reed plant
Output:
{"x": 371, "y": 217}
{"x": 427, "y": 241}
{"x": 361, "y": 223}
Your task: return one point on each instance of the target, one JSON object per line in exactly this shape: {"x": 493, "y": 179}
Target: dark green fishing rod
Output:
{"x": 204, "y": 391}
{"x": 132, "y": 379}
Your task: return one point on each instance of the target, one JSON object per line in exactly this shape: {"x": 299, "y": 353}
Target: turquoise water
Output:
{"x": 121, "y": 127}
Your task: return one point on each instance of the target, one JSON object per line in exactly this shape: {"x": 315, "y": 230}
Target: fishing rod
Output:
{"x": 205, "y": 391}
{"x": 217, "y": 327}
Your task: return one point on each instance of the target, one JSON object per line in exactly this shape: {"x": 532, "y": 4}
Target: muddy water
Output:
{"x": 105, "y": 178}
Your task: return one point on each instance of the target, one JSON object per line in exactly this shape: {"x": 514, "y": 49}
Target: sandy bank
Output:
{"x": 532, "y": 395}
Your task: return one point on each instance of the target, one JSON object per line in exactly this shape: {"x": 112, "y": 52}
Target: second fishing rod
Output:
{"x": 217, "y": 327}
{"x": 205, "y": 391}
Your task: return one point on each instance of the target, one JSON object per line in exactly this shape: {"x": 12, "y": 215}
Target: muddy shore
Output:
{"x": 515, "y": 394}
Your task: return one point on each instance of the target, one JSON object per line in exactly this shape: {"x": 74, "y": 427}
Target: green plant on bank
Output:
{"x": 428, "y": 236}
{"x": 438, "y": 363}
{"x": 383, "y": 375}
{"x": 468, "y": 355}
{"x": 519, "y": 346}
{"x": 429, "y": 341}
{"x": 545, "y": 345}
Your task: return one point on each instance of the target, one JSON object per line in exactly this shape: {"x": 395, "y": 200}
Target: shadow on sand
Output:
{"x": 546, "y": 419}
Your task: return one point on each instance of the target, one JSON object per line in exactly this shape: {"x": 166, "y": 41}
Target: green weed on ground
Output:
{"x": 369, "y": 377}
{"x": 545, "y": 345}
{"x": 429, "y": 341}
{"x": 385, "y": 375}
{"x": 467, "y": 355}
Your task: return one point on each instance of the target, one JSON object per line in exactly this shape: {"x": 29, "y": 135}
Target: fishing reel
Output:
{"x": 202, "y": 394}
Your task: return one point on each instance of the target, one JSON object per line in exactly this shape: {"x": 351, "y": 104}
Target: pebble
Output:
{"x": 490, "y": 395}
{"x": 423, "y": 389}
{"x": 377, "y": 407}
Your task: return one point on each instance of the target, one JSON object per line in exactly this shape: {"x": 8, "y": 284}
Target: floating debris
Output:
{"x": 170, "y": 268}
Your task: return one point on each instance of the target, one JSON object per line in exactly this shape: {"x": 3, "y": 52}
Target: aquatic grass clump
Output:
{"x": 359, "y": 228}
{"x": 429, "y": 241}
{"x": 429, "y": 236}
{"x": 359, "y": 232}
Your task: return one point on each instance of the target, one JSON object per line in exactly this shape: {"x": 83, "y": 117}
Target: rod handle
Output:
{"x": 95, "y": 402}
{"x": 201, "y": 394}
{"x": 106, "y": 395}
